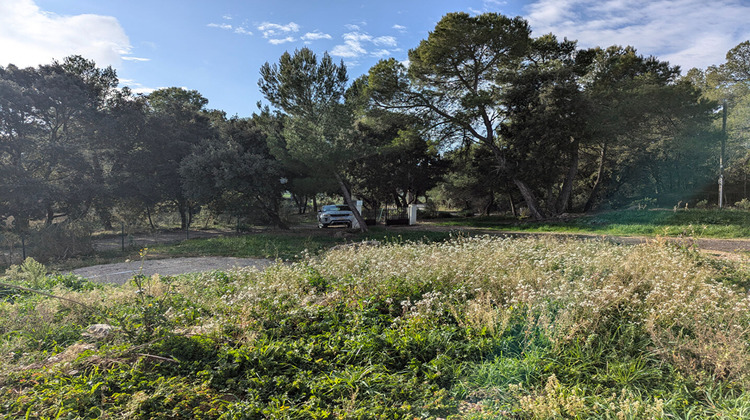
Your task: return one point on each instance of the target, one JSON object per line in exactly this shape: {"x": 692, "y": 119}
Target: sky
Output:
{"x": 217, "y": 47}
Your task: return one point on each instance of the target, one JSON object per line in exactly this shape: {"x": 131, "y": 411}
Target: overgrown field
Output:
{"x": 472, "y": 328}
{"x": 727, "y": 223}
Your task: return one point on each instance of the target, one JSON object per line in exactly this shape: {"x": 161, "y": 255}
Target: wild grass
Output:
{"x": 288, "y": 245}
{"x": 728, "y": 223}
{"x": 469, "y": 328}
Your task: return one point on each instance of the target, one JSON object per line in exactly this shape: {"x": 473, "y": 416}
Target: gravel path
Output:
{"x": 119, "y": 273}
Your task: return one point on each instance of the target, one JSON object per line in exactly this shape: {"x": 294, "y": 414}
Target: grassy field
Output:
{"x": 695, "y": 223}
{"x": 288, "y": 245}
{"x": 465, "y": 328}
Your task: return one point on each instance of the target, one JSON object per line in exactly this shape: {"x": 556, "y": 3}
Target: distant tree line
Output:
{"x": 484, "y": 117}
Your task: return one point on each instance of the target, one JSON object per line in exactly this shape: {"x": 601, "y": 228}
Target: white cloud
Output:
{"x": 129, "y": 58}
{"x": 220, "y": 26}
{"x": 277, "y": 41}
{"x": 227, "y": 27}
{"x": 387, "y": 41}
{"x": 356, "y": 43}
{"x": 380, "y": 53}
{"x": 136, "y": 87}
{"x": 352, "y": 27}
{"x": 357, "y": 37}
{"x": 689, "y": 33}
{"x": 275, "y": 30}
{"x": 314, "y": 36}
{"x": 349, "y": 49}
{"x": 30, "y": 36}
{"x": 399, "y": 28}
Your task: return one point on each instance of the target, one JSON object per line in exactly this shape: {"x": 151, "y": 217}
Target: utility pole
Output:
{"x": 723, "y": 148}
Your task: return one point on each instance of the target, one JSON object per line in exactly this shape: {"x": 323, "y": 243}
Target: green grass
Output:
{"x": 286, "y": 245}
{"x": 696, "y": 223}
{"x": 469, "y": 328}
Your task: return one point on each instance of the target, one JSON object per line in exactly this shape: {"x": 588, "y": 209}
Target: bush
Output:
{"x": 59, "y": 241}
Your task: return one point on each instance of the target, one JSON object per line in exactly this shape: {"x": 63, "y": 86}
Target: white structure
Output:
{"x": 413, "y": 214}
{"x": 355, "y": 222}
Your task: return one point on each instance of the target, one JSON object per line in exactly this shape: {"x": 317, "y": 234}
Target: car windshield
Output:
{"x": 336, "y": 208}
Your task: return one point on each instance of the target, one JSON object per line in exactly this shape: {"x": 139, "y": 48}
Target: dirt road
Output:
{"x": 119, "y": 273}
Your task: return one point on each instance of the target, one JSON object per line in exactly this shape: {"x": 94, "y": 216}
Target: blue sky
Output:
{"x": 217, "y": 47}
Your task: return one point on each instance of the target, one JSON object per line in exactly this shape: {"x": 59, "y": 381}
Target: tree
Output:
{"x": 176, "y": 121}
{"x": 641, "y": 111}
{"x": 473, "y": 182}
{"x": 541, "y": 106}
{"x": 729, "y": 85}
{"x": 235, "y": 172}
{"x": 479, "y": 78}
{"x": 319, "y": 126}
{"x": 404, "y": 164}
{"x": 304, "y": 182}
{"x": 50, "y": 139}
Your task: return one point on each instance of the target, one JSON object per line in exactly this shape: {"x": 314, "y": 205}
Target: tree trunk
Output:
{"x": 182, "y": 208}
{"x": 512, "y": 205}
{"x": 105, "y": 217}
{"x": 599, "y": 175}
{"x": 102, "y": 210}
{"x": 564, "y": 198}
{"x": 528, "y": 196}
{"x": 272, "y": 213}
{"x": 531, "y": 202}
{"x": 301, "y": 203}
{"x": 150, "y": 221}
{"x": 350, "y": 203}
{"x": 490, "y": 203}
{"x": 50, "y": 217}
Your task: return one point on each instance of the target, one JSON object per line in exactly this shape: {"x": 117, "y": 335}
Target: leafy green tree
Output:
{"x": 304, "y": 182}
{"x": 473, "y": 183}
{"x": 50, "y": 136}
{"x": 176, "y": 121}
{"x": 544, "y": 109}
{"x": 318, "y": 128}
{"x": 235, "y": 172}
{"x": 404, "y": 164}
{"x": 484, "y": 79}
{"x": 729, "y": 84}
{"x": 545, "y": 124}
{"x": 646, "y": 120}
{"x": 23, "y": 190}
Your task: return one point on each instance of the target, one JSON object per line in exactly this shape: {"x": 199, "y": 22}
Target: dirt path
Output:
{"x": 140, "y": 240}
{"x": 122, "y": 272}
{"x": 119, "y": 273}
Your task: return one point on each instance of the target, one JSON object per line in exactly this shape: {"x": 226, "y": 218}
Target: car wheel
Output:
{"x": 322, "y": 226}
{"x": 349, "y": 225}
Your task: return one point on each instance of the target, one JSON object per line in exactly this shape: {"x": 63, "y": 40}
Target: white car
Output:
{"x": 336, "y": 215}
